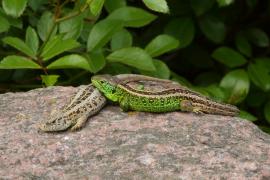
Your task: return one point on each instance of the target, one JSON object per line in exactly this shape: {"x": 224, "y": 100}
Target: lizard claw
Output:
{"x": 198, "y": 111}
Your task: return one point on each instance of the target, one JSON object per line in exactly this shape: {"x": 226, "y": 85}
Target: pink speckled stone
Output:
{"x": 118, "y": 145}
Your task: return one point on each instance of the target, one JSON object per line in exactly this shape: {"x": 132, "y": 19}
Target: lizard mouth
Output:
{"x": 105, "y": 84}
{"x": 97, "y": 83}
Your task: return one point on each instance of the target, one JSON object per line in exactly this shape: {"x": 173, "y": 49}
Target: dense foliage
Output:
{"x": 217, "y": 47}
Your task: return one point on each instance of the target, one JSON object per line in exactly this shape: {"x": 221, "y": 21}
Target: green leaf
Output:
{"x": 213, "y": 29}
{"x": 216, "y": 92}
{"x": 161, "y": 44}
{"x": 4, "y": 24}
{"x": 70, "y": 61}
{"x": 133, "y": 56}
{"x": 258, "y": 37}
{"x": 45, "y": 24}
{"x": 259, "y": 73}
{"x": 112, "y": 5}
{"x": 12, "y": 21}
{"x": 181, "y": 80}
{"x": 20, "y": 45}
{"x": 182, "y": 29}
{"x": 31, "y": 39}
{"x": 243, "y": 45}
{"x": 96, "y": 61}
{"x": 57, "y": 46}
{"x": 266, "y": 111}
{"x": 224, "y": 2}
{"x": 14, "y": 8}
{"x": 121, "y": 39}
{"x": 202, "y": 91}
{"x": 162, "y": 71}
{"x": 102, "y": 32}
{"x": 157, "y": 5}
{"x": 236, "y": 83}
{"x": 36, "y": 4}
{"x": 72, "y": 28}
{"x": 49, "y": 80}
{"x": 247, "y": 116}
{"x": 86, "y": 31}
{"x": 201, "y": 6}
{"x": 18, "y": 62}
{"x": 96, "y": 6}
{"x": 116, "y": 68}
{"x": 132, "y": 17}
{"x": 229, "y": 57}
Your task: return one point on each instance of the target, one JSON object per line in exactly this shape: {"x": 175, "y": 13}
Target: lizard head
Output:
{"x": 54, "y": 124}
{"x": 107, "y": 85}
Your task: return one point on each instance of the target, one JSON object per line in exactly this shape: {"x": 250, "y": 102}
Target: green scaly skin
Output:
{"x": 171, "y": 99}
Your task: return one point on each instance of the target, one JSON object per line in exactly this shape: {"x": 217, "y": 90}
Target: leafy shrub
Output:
{"x": 219, "y": 47}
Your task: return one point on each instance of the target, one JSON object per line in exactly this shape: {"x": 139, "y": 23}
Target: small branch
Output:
{"x": 57, "y": 13}
{"x": 40, "y": 62}
{"x": 89, "y": 19}
{"x": 58, "y": 20}
{"x": 51, "y": 29}
{"x": 81, "y": 10}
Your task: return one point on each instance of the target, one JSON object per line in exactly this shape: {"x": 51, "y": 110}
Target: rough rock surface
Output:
{"x": 118, "y": 145}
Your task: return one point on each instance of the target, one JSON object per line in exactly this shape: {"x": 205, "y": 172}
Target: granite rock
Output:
{"x": 134, "y": 145}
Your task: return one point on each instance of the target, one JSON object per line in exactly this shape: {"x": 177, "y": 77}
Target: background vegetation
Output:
{"x": 217, "y": 47}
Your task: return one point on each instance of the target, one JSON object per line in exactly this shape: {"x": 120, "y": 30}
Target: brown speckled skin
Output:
{"x": 85, "y": 103}
{"x": 118, "y": 145}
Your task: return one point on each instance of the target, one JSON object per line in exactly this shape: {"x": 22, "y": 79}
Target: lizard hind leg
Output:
{"x": 124, "y": 104}
{"x": 79, "y": 123}
{"x": 186, "y": 105}
{"x": 198, "y": 110}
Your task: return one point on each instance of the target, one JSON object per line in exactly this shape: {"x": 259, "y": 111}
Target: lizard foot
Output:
{"x": 80, "y": 123}
{"x": 186, "y": 105}
{"x": 197, "y": 110}
{"x": 131, "y": 113}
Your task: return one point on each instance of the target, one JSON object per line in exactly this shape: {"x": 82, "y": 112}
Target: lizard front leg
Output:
{"x": 124, "y": 104}
{"x": 80, "y": 122}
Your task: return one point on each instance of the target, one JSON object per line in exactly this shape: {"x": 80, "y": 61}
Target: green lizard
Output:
{"x": 165, "y": 100}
